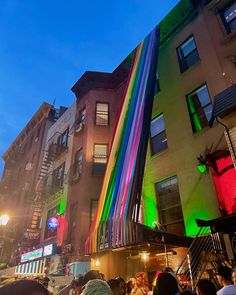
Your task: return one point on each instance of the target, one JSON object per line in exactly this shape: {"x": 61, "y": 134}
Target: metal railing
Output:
{"x": 197, "y": 257}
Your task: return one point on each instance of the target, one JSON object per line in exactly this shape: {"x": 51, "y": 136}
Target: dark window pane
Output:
{"x": 159, "y": 143}
{"x": 158, "y": 135}
{"x": 187, "y": 54}
{"x": 188, "y": 47}
{"x": 191, "y": 59}
{"x": 170, "y": 209}
{"x": 200, "y": 108}
{"x": 229, "y": 16}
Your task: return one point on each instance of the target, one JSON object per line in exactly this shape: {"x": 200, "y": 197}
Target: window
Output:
{"x": 77, "y": 169}
{"x": 62, "y": 141}
{"x": 93, "y": 207}
{"x": 58, "y": 176}
{"x": 187, "y": 54}
{"x": 229, "y": 17}
{"x": 169, "y": 204}
{"x": 102, "y": 114}
{"x": 200, "y": 108}
{"x": 158, "y": 135}
{"x": 100, "y": 158}
{"x": 82, "y": 115}
{"x": 80, "y": 122}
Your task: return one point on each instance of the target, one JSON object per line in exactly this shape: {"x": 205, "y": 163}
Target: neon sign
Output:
{"x": 48, "y": 250}
{"x": 38, "y": 253}
{"x": 53, "y": 223}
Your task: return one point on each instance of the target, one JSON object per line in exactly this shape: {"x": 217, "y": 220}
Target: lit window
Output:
{"x": 158, "y": 135}
{"x": 229, "y": 16}
{"x": 200, "y": 108}
{"x": 169, "y": 205}
{"x": 187, "y": 54}
{"x": 102, "y": 114}
{"x": 100, "y": 158}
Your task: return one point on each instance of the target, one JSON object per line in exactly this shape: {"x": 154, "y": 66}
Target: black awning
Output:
{"x": 224, "y": 103}
{"x": 164, "y": 237}
{"x": 155, "y": 236}
{"x": 225, "y": 224}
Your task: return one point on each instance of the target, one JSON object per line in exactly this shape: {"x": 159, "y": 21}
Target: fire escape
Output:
{"x": 203, "y": 256}
{"x": 40, "y": 196}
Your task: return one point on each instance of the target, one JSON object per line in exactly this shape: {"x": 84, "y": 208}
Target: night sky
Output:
{"x": 46, "y": 45}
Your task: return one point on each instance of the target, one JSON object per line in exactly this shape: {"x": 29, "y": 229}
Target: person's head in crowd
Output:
{"x": 24, "y": 287}
{"x": 115, "y": 287}
{"x": 224, "y": 275}
{"x": 130, "y": 285}
{"x": 78, "y": 284}
{"x": 122, "y": 284}
{"x": 166, "y": 284}
{"x": 234, "y": 275}
{"x": 91, "y": 275}
{"x": 142, "y": 281}
{"x": 96, "y": 287}
{"x": 205, "y": 287}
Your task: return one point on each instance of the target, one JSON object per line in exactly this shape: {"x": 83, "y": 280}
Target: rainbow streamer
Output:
{"x": 118, "y": 207}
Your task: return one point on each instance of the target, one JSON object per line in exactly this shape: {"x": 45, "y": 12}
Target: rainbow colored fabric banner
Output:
{"x": 118, "y": 207}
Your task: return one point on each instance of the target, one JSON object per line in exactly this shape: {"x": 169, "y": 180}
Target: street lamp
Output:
{"x": 4, "y": 219}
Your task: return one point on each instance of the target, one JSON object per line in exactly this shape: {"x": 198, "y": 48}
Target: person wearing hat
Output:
{"x": 224, "y": 279}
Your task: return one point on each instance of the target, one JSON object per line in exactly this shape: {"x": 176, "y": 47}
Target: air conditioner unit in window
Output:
{"x": 79, "y": 127}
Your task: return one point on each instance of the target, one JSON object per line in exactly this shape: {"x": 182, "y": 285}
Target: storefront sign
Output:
{"x": 38, "y": 253}
{"x": 48, "y": 250}
{"x": 53, "y": 223}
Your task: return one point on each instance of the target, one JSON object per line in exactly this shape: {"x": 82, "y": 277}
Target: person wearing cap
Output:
{"x": 224, "y": 279}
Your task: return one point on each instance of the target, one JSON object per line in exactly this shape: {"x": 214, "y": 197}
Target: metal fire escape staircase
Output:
{"x": 49, "y": 156}
{"x": 201, "y": 259}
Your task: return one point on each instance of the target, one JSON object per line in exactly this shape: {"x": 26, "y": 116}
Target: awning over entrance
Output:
{"x": 155, "y": 236}
{"x": 225, "y": 224}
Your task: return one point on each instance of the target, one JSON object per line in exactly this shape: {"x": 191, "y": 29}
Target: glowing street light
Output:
{"x": 4, "y": 219}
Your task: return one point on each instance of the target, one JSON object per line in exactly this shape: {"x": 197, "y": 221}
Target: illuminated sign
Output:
{"x": 53, "y": 223}
{"x": 38, "y": 253}
{"x": 48, "y": 250}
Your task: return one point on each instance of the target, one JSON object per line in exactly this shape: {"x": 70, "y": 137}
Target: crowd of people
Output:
{"x": 94, "y": 283}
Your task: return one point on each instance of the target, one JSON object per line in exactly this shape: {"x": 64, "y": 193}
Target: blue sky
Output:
{"x": 46, "y": 45}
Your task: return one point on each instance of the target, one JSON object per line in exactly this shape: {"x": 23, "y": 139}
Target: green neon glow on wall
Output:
{"x": 196, "y": 122}
{"x": 63, "y": 201}
{"x": 149, "y": 206}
